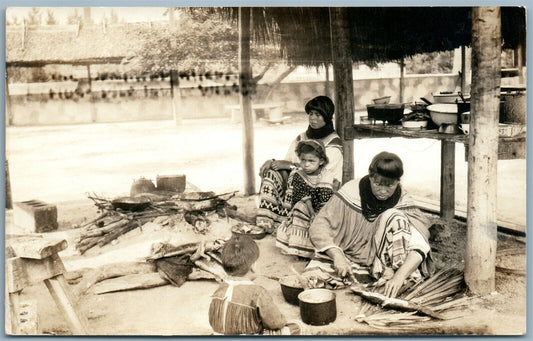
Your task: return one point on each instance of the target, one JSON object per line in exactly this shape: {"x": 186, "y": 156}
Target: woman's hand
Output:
{"x": 411, "y": 263}
{"x": 266, "y": 166}
{"x": 342, "y": 266}
{"x": 393, "y": 286}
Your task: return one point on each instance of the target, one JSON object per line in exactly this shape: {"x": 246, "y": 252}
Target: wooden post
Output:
{"x": 519, "y": 52}
{"x": 245, "y": 99}
{"x": 328, "y": 90}
{"x": 483, "y": 145}
{"x": 9, "y": 201}
{"x": 447, "y": 180}
{"x": 9, "y": 106}
{"x": 402, "y": 79}
{"x": 175, "y": 96}
{"x": 94, "y": 113}
{"x": 343, "y": 79}
{"x": 463, "y": 69}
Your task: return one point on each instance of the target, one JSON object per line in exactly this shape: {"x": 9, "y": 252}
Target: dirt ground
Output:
{"x": 106, "y": 158}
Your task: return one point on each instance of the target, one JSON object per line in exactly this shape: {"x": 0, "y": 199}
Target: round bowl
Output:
{"x": 381, "y": 100}
{"x": 291, "y": 288}
{"x": 318, "y": 307}
{"x": 365, "y": 120}
{"x": 443, "y": 113}
{"x": 415, "y": 125}
{"x": 254, "y": 231}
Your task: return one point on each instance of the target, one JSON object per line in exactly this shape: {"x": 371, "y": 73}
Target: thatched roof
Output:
{"x": 71, "y": 43}
{"x": 377, "y": 34}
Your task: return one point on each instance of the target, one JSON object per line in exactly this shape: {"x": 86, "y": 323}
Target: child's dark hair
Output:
{"x": 239, "y": 254}
{"x": 388, "y": 165}
{"x": 314, "y": 147}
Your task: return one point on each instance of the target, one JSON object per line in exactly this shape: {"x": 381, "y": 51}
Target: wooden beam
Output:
{"x": 343, "y": 79}
{"x": 35, "y": 247}
{"x": 83, "y": 61}
{"x": 447, "y": 180}
{"x": 246, "y": 100}
{"x": 480, "y": 259}
{"x": 59, "y": 289}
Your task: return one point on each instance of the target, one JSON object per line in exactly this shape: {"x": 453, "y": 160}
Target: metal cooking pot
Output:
{"x": 131, "y": 203}
{"x": 318, "y": 307}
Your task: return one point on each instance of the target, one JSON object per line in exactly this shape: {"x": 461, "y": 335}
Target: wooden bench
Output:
{"x": 31, "y": 260}
{"x": 272, "y": 111}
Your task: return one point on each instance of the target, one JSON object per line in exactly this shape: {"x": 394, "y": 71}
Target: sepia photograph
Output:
{"x": 204, "y": 171}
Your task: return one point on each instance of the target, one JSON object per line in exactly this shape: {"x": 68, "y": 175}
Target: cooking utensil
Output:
{"x": 131, "y": 203}
{"x": 447, "y": 97}
{"x": 415, "y": 125}
{"x": 443, "y": 113}
{"x": 291, "y": 287}
{"x": 254, "y": 232}
{"x": 426, "y": 101}
{"x": 392, "y": 113}
{"x": 449, "y": 129}
{"x": 381, "y": 100}
{"x": 462, "y": 97}
{"x": 318, "y": 307}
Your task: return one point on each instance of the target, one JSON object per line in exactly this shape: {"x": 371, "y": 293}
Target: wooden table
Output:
{"x": 266, "y": 107}
{"x": 508, "y": 148}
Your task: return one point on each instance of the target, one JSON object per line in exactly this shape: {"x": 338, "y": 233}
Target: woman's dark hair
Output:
{"x": 239, "y": 254}
{"x": 315, "y": 147}
{"x": 388, "y": 165}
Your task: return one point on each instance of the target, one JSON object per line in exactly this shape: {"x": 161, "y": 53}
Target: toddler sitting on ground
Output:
{"x": 239, "y": 306}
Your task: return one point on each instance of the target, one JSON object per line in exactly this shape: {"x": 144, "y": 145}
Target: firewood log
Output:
{"x": 106, "y": 271}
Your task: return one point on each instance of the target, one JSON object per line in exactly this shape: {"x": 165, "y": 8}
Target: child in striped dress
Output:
{"x": 239, "y": 306}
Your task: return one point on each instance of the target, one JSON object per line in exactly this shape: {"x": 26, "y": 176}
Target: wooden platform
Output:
{"x": 433, "y": 206}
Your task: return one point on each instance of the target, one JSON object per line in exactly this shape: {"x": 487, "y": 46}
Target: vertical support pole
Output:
{"x": 447, "y": 180}
{"x": 327, "y": 88}
{"x": 245, "y": 99}
{"x": 9, "y": 106}
{"x": 402, "y": 79}
{"x": 94, "y": 113}
{"x": 175, "y": 96}
{"x": 9, "y": 200}
{"x": 343, "y": 78}
{"x": 520, "y": 63}
{"x": 480, "y": 259}
{"x": 463, "y": 69}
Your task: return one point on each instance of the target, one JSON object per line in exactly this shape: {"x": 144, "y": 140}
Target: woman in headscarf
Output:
{"x": 371, "y": 230}
{"x": 274, "y": 173}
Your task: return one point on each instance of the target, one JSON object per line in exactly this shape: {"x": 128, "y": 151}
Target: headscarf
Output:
{"x": 325, "y": 107}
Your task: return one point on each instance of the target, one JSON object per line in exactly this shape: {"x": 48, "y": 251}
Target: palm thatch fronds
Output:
{"x": 431, "y": 298}
{"x": 377, "y": 34}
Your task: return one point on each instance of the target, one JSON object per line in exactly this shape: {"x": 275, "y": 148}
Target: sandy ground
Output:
{"x": 61, "y": 164}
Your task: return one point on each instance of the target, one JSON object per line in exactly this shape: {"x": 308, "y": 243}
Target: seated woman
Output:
{"x": 372, "y": 230}
{"x": 307, "y": 191}
{"x": 274, "y": 173}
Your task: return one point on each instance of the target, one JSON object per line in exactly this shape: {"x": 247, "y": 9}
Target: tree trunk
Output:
{"x": 245, "y": 99}
{"x": 483, "y": 150}
{"x": 175, "y": 96}
{"x": 343, "y": 79}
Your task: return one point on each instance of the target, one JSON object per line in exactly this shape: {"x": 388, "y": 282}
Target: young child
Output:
{"x": 239, "y": 306}
{"x": 307, "y": 192}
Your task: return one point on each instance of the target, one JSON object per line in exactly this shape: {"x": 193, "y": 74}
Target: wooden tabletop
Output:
{"x": 358, "y": 131}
